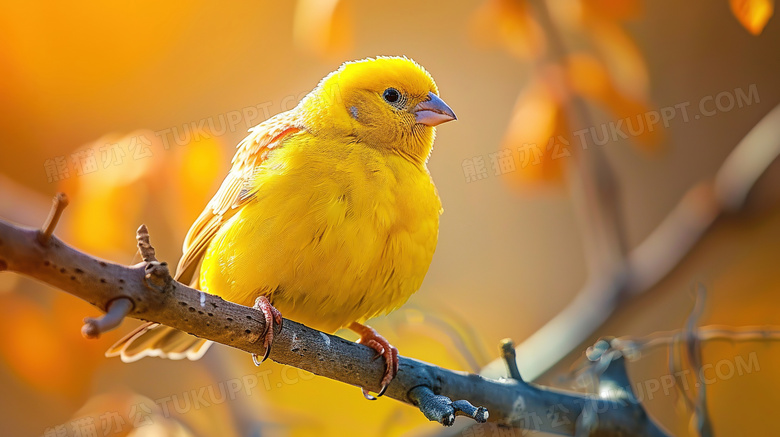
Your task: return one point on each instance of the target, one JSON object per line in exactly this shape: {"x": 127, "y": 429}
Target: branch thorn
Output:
{"x": 510, "y": 357}
{"x": 157, "y": 274}
{"x": 58, "y": 205}
{"x": 145, "y": 247}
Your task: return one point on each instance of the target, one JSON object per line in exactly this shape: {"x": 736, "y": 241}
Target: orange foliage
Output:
{"x": 610, "y": 73}
{"x": 509, "y": 24}
{"x": 129, "y": 187}
{"x": 753, "y": 14}
{"x": 614, "y": 9}
{"x": 539, "y": 134}
{"x": 591, "y": 79}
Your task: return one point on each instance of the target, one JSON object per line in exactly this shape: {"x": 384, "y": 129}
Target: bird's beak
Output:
{"x": 433, "y": 112}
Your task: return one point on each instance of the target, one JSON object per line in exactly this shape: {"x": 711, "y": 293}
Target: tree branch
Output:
{"x": 147, "y": 291}
{"x": 656, "y": 256}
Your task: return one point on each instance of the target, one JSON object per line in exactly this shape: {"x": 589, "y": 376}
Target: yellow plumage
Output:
{"x": 330, "y": 250}
{"x": 328, "y": 210}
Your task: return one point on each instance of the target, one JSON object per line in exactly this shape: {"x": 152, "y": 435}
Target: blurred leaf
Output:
{"x": 43, "y": 346}
{"x": 194, "y": 177}
{"x": 538, "y": 134}
{"x": 621, "y": 57}
{"x": 753, "y": 14}
{"x": 589, "y": 78}
{"x": 107, "y": 193}
{"x": 134, "y": 179}
{"x": 508, "y": 23}
{"x": 614, "y": 9}
{"x": 323, "y": 27}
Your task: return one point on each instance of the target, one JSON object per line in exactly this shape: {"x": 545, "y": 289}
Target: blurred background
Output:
{"x": 582, "y": 125}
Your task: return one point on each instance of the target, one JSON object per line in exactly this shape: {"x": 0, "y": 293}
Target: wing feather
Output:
{"x": 234, "y": 191}
{"x": 152, "y": 339}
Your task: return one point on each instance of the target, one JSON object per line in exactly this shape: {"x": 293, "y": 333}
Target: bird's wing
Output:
{"x": 153, "y": 339}
{"x": 235, "y": 190}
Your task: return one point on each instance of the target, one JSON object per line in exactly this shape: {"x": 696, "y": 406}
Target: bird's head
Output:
{"x": 390, "y": 103}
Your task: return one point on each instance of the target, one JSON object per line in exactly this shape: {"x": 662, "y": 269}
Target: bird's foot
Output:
{"x": 273, "y": 318}
{"x": 372, "y": 339}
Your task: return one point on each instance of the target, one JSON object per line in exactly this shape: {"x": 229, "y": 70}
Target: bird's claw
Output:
{"x": 371, "y": 397}
{"x": 382, "y": 391}
{"x": 265, "y": 356}
{"x": 383, "y": 348}
{"x": 273, "y": 324}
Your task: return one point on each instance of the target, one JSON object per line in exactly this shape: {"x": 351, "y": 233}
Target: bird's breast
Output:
{"x": 332, "y": 235}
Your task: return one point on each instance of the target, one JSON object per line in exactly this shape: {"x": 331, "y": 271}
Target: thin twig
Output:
{"x": 145, "y": 247}
{"x": 693, "y": 355}
{"x": 58, "y": 205}
{"x": 510, "y": 357}
{"x": 704, "y": 333}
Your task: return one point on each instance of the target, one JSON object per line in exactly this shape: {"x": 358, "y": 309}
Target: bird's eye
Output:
{"x": 391, "y": 95}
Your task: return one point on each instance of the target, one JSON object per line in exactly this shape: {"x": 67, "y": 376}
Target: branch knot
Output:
{"x": 157, "y": 276}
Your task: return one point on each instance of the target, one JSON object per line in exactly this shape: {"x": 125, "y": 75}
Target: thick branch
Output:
{"x": 157, "y": 297}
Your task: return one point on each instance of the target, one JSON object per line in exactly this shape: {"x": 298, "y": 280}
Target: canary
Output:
{"x": 328, "y": 215}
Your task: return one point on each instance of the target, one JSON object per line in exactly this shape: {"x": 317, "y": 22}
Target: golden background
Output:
{"x": 510, "y": 255}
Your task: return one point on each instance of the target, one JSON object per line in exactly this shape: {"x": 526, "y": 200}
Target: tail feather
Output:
{"x": 155, "y": 340}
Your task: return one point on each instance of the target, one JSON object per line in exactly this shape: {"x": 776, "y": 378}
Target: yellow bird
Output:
{"x": 328, "y": 214}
